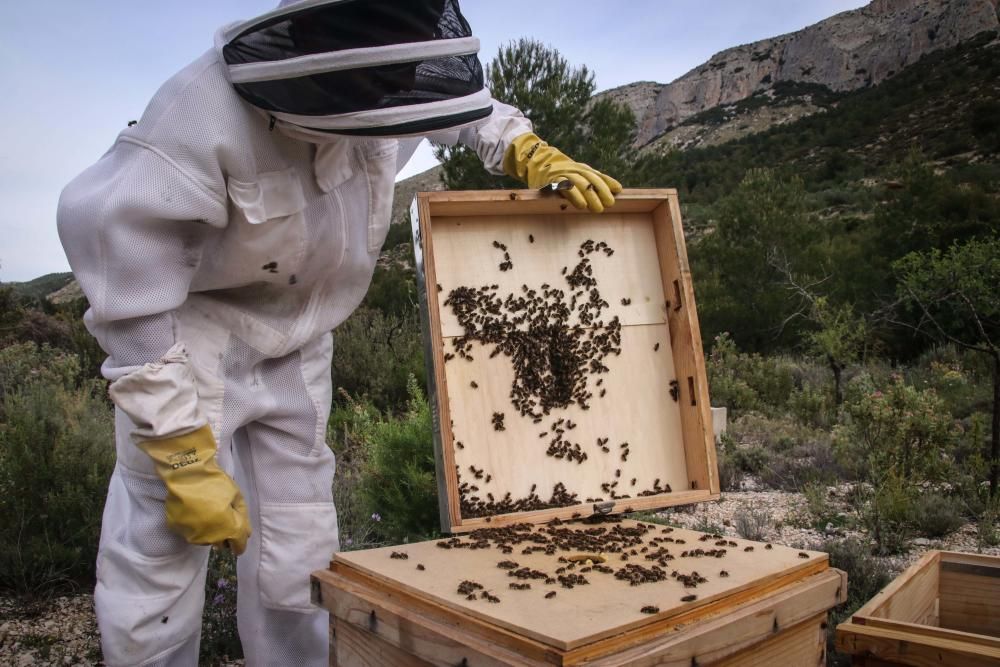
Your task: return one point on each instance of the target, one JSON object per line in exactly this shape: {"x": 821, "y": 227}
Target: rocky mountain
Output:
{"x": 848, "y": 51}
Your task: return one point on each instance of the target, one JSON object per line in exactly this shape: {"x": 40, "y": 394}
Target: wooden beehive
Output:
{"x": 943, "y": 610}
{"x": 640, "y": 414}
{"x": 651, "y": 405}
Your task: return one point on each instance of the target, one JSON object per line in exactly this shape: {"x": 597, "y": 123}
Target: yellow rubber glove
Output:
{"x": 204, "y": 505}
{"x": 534, "y": 162}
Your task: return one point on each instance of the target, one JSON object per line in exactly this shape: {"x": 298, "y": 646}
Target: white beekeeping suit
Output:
{"x": 219, "y": 241}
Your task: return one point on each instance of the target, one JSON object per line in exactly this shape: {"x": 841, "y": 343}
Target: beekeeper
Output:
{"x": 219, "y": 241}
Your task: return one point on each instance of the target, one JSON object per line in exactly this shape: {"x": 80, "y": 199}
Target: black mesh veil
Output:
{"x": 359, "y": 24}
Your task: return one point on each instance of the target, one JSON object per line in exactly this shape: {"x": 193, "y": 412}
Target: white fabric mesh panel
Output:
{"x": 147, "y": 532}
{"x": 140, "y": 340}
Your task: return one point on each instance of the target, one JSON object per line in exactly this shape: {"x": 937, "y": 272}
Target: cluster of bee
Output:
{"x": 637, "y": 574}
{"x": 559, "y": 447}
{"x": 529, "y": 573}
{"x": 689, "y": 580}
{"x": 650, "y": 609}
{"x": 469, "y": 588}
{"x": 399, "y": 555}
{"x": 552, "y": 360}
{"x": 473, "y": 505}
{"x": 506, "y": 264}
{"x": 590, "y": 539}
{"x": 657, "y": 489}
{"x": 498, "y": 422}
{"x": 571, "y": 580}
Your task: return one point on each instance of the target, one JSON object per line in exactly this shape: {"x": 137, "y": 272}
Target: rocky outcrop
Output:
{"x": 639, "y": 97}
{"x": 845, "y": 52}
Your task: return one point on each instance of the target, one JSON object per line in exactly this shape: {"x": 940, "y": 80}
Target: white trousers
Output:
{"x": 269, "y": 417}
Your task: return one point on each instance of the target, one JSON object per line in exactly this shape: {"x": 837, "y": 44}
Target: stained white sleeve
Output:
{"x": 491, "y": 138}
{"x": 133, "y": 227}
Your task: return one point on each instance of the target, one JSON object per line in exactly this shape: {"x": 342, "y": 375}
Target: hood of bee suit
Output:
{"x": 374, "y": 68}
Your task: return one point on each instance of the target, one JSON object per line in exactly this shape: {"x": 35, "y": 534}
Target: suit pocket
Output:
{"x": 296, "y": 539}
{"x": 265, "y": 240}
{"x": 379, "y": 157}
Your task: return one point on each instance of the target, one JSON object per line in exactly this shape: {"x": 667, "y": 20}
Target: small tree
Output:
{"x": 839, "y": 334}
{"x": 952, "y": 295}
{"x": 557, "y": 98}
{"x": 765, "y": 218}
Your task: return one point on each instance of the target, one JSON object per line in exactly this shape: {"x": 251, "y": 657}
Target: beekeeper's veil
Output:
{"x": 359, "y": 67}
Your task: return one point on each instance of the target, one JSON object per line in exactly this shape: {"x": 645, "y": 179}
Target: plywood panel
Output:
{"x": 970, "y": 596}
{"x": 637, "y": 432}
{"x": 915, "y": 599}
{"x": 357, "y": 648}
{"x": 637, "y": 409}
{"x": 907, "y": 648}
{"x": 540, "y": 247}
{"x": 605, "y": 606}
{"x": 803, "y": 645}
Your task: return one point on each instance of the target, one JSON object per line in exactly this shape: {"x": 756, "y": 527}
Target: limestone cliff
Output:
{"x": 845, "y": 52}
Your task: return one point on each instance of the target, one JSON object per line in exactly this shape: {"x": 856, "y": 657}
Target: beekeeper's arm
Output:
{"x": 507, "y": 145}
{"x": 133, "y": 226}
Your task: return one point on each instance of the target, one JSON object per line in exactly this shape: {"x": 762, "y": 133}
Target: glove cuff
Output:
{"x": 191, "y": 450}
{"x": 518, "y": 155}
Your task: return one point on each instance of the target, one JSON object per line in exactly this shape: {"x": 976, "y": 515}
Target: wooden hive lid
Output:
{"x": 517, "y": 437}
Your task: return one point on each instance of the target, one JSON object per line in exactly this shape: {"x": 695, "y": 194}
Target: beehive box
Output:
{"x": 943, "y": 610}
{"x": 568, "y": 387}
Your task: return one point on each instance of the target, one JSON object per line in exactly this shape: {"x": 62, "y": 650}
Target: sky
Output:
{"x": 74, "y": 73}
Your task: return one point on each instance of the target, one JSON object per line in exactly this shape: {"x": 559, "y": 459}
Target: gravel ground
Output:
{"x": 62, "y": 631}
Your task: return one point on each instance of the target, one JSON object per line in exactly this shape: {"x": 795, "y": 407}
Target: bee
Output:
{"x": 675, "y": 390}
{"x": 474, "y": 385}
{"x": 803, "y": 554}
{"x": 650, "y": 609}
{"x": 689, "y": 598}
{"x": 747, "y": 549}
{"x": 768, "y": 546}
{"x": 550, "y": 595}
{"x": 531, "y": 239}
{"x": 656, "y": 347}
{"x": 458, "y": 443}
{"x": 421, "y": 567}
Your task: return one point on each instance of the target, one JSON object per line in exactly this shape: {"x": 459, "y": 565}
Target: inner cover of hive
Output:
{"x": 536, "y": 581}
{"x": 578, "y": 405}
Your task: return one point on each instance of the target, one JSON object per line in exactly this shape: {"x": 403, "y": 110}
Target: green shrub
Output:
{"x": 56, "y": 455}
{"x": 398, "y": 485}
{"x": 988, "y": 527}
{"x": 783, "y": 453}
{"x": 935, "y": 515}
{"x": 23, "y": 364}
{"x": 745, "y": 381}
{"x": 897, "y": 429}
{"x": 374, "y": 353}
{"x": 812, "y": 407}
{"x": 866, "y": 576}
{"x": 752, "y": 523}
{"x": 818, "y": 508}
{"x": 354, "y": 516}
{"x": 886, "y": 510}
{"x": 730, "y": 475}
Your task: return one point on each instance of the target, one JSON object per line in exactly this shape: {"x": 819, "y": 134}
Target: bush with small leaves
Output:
{"x": 752, "y": 523}
{"x": 397, "y": 482}
{"x": 935, "y": 515}
{"x": 56, "y": 455}
{"x": 866, "y": 576}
